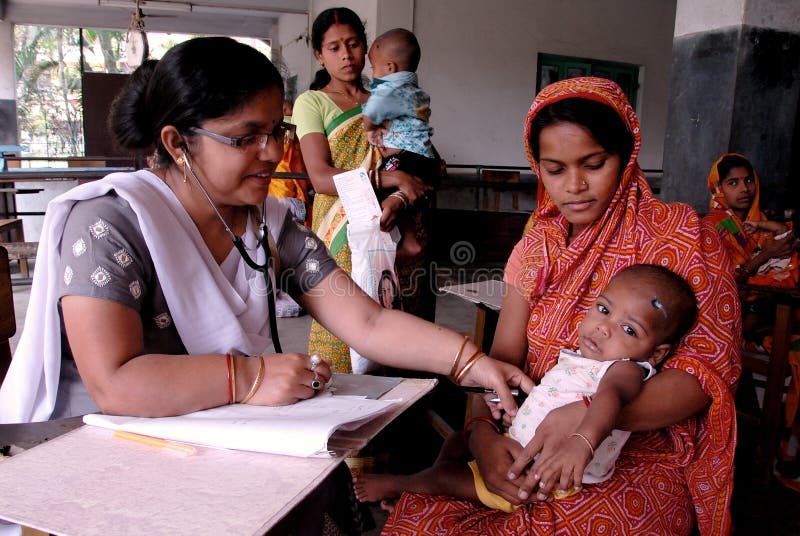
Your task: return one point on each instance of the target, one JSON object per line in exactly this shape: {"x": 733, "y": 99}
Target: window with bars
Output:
{"x": 552, "y": 68}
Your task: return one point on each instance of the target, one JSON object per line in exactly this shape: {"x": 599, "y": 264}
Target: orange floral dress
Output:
{"x": 665, "y": 480}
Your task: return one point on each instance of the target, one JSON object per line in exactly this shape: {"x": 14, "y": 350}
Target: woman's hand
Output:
{"x": 411, "y": 185}
{"x": 497, "y": 410}
{"x": 778, "y": 248}
{"x": 551, "y": 433}
{"x": 288, "y": 379}
{"x": 494, "y": 454}
{"x": 498, "y": 375}
{"x": 391, "y": 206}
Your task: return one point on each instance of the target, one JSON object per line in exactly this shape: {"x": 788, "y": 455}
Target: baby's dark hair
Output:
{"x": 679, "y": 304}
{"x": 732, "y": 161}
{"x": 402, "y": 47}
{"x": 603, "y": 123}
{"x": 199, "y": 79}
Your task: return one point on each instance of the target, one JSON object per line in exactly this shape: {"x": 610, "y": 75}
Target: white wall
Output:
{"x": 394, "y": 14}
{"x": 295, "y": 53}
{"x": 479, "y": 65}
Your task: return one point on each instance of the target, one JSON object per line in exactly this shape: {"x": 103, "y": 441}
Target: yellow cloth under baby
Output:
{"x": 496, "y": 502}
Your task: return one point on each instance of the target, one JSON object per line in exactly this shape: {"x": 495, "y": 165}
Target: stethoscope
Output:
{"x": 238, "y": 243}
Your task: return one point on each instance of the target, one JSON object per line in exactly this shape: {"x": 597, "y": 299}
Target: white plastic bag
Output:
{"x": 373, "y": 251}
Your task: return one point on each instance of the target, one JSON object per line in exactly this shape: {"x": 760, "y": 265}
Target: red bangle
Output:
{"x": 482, "y": 418}
{"x": 229, "y": 362}
{"x": 474, "y": 358}
{"x": 587, "y": 400}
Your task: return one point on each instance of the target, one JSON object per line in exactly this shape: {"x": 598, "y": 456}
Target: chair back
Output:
{"x": 8, "y": 322}
{"x": 500, "y": 177}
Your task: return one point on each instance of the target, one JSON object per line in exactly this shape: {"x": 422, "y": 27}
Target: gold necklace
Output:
{"x": 354, "y": 101}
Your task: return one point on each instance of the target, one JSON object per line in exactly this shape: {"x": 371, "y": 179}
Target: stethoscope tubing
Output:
{"x": 238, "y": 243}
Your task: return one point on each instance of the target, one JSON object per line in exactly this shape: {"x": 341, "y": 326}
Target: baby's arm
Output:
{"x": 564, "y": 469}
{"x": 766, "y": 225}
{"x": 374, "y": 132}
{"x": 369, "y": 126}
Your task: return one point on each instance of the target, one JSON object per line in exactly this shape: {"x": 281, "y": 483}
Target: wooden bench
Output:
{"x": 13, "y": 226}
{"x": 21, "y": 252}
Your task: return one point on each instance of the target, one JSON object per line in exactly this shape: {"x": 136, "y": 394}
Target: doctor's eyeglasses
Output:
{"x": 244, "y": 143}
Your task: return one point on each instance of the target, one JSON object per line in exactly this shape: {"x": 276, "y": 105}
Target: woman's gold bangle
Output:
{"x": 233, "y": 379}
{"x": 585, "y": 439}
{"x": 256, "y": 383}
{"x": 401, "y": 196}
{"x": 458, "y": 355}
{"x": 477, "y": 356}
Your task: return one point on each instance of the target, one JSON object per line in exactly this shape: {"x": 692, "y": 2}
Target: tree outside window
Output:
{"x": 49, "y": 64}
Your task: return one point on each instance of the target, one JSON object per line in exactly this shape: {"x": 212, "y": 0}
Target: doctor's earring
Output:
{"x": 181, "y": 161}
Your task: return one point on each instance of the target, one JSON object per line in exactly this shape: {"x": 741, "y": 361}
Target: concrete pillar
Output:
{"x": 735, "y": 88}
{"x": 8, "y": 99}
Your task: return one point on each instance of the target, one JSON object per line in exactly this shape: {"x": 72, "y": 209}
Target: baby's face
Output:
{"x": 622, "y": 323}
{"x": 378, "y": 62}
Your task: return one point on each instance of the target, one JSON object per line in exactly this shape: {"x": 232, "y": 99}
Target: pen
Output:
{"x": 483, "y": 390}
{"x": 155, "y": 442}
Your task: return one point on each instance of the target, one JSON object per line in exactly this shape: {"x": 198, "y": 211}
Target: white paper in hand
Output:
{"x": 360, "y": 203}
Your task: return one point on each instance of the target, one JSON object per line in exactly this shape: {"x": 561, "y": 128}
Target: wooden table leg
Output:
{"x": 772, "y": 411}
{"x": 480, "y": 326}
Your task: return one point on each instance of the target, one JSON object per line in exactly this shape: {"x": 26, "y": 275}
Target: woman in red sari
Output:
{"x": 597, "y": 215}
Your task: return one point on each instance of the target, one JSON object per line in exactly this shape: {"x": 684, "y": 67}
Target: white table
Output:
{"x": 88, "y": 482}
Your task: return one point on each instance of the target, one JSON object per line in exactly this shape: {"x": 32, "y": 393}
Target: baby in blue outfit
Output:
{"x": 396, "y": 120}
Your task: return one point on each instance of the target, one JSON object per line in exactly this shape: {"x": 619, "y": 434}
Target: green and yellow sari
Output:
{"x": 349, "y": 150}
{"x": 315, "y": 112}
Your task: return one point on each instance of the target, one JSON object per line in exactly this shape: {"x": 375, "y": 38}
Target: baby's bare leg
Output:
{"x": 409, "y": 247}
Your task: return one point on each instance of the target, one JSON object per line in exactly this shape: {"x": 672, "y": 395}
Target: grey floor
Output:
{"x": 773, "y": 511}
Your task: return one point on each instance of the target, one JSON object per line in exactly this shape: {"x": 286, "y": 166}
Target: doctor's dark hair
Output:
{"x": 732, "y": 161}
{"x": 197, "y": 80}
{"x": 603, "y": 123}
{"x": 326, "y": 19}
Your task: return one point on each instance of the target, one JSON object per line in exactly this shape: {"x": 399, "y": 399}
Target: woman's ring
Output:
{"x": 314, "y": 360}
{"x": 315, "y": 383}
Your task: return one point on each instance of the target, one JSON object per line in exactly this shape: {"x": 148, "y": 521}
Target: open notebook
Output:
{"x": 301, "y": 429}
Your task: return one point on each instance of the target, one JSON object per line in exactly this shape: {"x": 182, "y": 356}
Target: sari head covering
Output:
{"x": 664, "y": 478}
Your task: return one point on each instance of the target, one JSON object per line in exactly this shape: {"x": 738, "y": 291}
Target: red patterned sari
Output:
{"x": 664, "y": 479}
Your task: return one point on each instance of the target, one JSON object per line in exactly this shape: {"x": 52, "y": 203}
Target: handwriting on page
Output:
{"x": 360, "y": 203}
